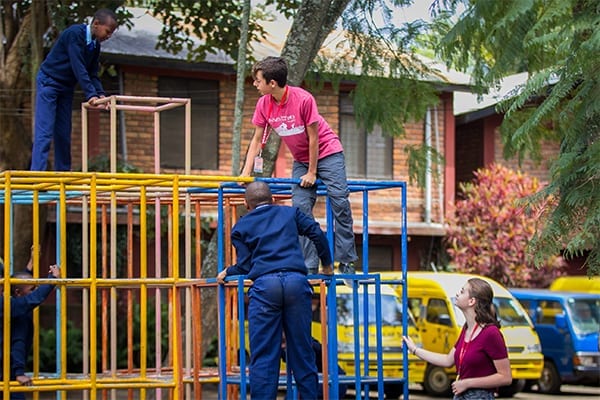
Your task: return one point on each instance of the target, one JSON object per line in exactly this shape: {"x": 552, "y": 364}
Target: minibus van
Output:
{"x": 568, "y": 325}
{"x": 431, "y": 299}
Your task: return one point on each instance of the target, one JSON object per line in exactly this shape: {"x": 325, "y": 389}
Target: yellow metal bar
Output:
{"x": 63, "y": 271}
{"x": 35, "y": 265}
{"x": 6, "y": 290}
{"x": 93, "y": 290}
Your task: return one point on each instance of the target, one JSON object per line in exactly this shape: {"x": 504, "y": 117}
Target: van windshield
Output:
{"x": 391, "y": 310}
{"x": 585, "y": 314}
{"x": 510, "y": 313}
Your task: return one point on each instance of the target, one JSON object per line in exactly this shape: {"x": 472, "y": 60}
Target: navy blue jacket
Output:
{"x": 266, "y": 240}
{"x": 21, "y": 325}
{"x": 71, "y": 61}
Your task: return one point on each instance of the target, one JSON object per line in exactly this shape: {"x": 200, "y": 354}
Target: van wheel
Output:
{"x": 393, "y": 390}
{"x": 437, "y": 383}
{"x": 515, "y": 387}
{"x": 549, "y": 382}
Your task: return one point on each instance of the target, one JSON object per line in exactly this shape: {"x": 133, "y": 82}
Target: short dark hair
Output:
{"x": 105, "y": 15}
{"x": 258, "y": 193}
{"x": 273, "y": 68}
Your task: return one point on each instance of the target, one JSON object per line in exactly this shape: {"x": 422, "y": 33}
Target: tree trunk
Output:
{"x": 239, "y": 90}
{"x": 15, "y": 135}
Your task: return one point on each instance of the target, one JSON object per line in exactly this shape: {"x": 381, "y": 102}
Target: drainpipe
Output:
{"x": 427, "y": 216}
{"x": 439, "y": 167}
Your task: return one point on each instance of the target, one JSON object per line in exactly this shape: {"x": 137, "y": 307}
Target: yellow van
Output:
{"x": 431, "y": 299}
{"x": 391, "y": 317}
{"x": 578, "y": 283}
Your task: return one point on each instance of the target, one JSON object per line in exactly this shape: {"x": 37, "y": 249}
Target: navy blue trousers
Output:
{"x": 280, "y": 302}
{"x": 53, "y": 108}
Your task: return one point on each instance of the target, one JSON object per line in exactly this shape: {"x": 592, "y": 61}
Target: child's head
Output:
{"x": 258, "y": 193}
{"x": 104, "y": 24}
{"x": 22, "y": 289}
{"x": 272, "y": 69}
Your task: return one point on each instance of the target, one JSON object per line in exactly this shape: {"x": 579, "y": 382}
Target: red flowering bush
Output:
{"x": 492, "y": 226}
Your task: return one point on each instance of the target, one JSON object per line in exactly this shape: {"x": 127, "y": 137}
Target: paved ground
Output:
{"x": 416, "y": 393}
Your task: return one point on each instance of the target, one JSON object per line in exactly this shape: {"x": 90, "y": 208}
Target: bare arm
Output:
{"x": 502, "y": 377}
{"x": 439, "y": 359}
{"x": 253, "y": 151}
{"x": 313, "y": 155}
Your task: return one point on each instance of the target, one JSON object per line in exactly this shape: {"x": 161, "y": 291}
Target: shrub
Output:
{"x": 492, "y": 226}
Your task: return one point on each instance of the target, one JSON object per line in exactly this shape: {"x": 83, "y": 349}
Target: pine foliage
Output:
{"x": 559, "y": 42}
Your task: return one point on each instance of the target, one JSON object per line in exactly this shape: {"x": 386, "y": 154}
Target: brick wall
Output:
{"x": 384, "y": 206}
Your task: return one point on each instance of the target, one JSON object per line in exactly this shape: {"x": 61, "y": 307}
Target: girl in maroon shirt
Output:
{"x": 480, "y": 353}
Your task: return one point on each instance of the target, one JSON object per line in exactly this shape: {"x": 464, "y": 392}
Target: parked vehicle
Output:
{"x": 584, "y": 284}
{"x": 391, "y": 318}
{"x": 431, "y": 299}
{"x": 567, "y": 324}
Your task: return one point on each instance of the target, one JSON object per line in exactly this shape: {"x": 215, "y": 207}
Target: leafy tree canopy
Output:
{"x": 558, "y": 43}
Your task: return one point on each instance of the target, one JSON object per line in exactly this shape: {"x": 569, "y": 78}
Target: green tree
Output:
{"x": 558, "y": 42}
{"x": 491, "y": 227}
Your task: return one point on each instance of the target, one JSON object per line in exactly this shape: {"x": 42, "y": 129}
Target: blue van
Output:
{"x": 567, "y": 324}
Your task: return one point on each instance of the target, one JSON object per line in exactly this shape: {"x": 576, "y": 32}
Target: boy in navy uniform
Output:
{"x": 73, "y": 59}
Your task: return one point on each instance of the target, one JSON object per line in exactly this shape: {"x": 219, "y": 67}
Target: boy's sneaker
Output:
{"x": 347, "y": 268}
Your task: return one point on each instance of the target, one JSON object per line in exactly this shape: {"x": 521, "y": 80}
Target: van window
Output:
{"x": 391, "y": 310}
{"x": 438, "y": 312}
{"x": 509, "y": 313}
{"x": 548, "y": 310}
{"x": 584, "y": 314}
{"x": 414, "y": 304}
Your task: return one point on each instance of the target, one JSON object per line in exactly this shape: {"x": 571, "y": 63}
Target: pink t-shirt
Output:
{"x": 291, "y": 119}
{"x": 479, "y": 356}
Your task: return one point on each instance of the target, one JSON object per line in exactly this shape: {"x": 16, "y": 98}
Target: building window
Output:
{"x": 204, "y": 95}
{"x": 368, "y": 154}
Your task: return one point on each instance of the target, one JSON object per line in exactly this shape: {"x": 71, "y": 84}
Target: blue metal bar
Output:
{"x": 379, "y": 336}
{"x": 356, "y": 335}
{"x": 242, "y": 338}
{"x": 365, "y": 234}
{"x": 404, "y": 246}
{"x": 332, "y": 342}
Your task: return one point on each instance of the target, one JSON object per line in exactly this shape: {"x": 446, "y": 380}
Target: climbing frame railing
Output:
{"x": 127, "y": 295}
{"x": 107, "y": 291}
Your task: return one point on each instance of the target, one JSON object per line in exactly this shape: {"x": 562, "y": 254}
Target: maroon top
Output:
{"x": 478, "y": 358}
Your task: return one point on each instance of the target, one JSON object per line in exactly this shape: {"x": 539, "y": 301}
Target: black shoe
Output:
{"x": 347, "y": 268}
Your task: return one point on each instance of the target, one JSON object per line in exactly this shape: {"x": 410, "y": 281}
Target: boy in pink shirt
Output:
{"x": 318, "y": 153}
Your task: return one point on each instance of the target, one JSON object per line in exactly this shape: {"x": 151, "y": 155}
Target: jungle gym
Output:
{"x": 154, "y": 301}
